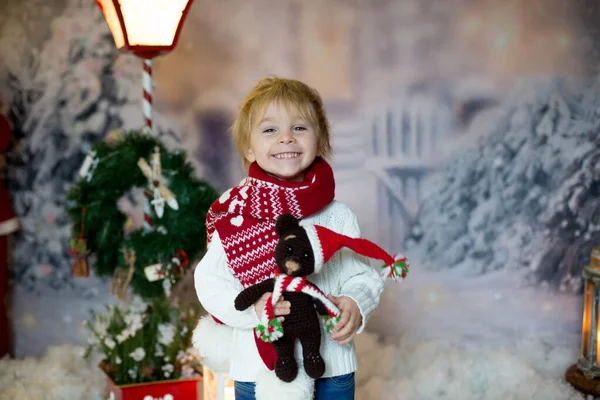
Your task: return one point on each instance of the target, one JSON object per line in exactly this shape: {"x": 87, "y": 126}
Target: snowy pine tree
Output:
{"x": 526, "y": 196}
{"x": 63, "y": 97}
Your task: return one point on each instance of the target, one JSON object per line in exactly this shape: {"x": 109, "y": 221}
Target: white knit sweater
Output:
{"x": 346, "y": 274}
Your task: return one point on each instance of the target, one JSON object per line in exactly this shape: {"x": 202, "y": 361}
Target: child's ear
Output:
{"x": 319, "y": 148}
{"x": 250, "y": 156}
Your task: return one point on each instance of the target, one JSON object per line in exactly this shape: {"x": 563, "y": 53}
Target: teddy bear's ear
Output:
{"x": 286, "y": 222}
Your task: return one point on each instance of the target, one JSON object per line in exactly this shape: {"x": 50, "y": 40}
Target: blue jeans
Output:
{"x": 334, "y": 388}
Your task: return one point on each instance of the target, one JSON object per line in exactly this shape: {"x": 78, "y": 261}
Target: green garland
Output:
{"x": 94, "y": 199}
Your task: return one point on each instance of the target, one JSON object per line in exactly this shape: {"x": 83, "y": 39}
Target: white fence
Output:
{"x": 405, "y": 137}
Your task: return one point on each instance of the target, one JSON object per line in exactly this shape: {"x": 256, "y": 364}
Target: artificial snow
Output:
{"x": 62, "y": 374}
{"x": 412, "y": 369}
{"x": 437, "y": 335}
{"x": 399, "y": 368}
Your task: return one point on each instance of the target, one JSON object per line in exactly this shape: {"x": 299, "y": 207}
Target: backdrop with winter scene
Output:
{"x": 464, "y": 135}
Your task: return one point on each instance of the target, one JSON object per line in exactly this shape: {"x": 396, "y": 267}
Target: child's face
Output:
{"x": 282, "y": 143}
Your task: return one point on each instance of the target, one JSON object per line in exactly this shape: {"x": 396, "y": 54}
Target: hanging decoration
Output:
{"x": 89, "y": 164}
{"x": 79, "y": 252}
{"x": 173, "y": 270}
{"x": 156, "y": 184}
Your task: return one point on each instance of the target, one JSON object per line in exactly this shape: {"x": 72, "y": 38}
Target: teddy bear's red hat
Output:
{"x": 325, "y": 243}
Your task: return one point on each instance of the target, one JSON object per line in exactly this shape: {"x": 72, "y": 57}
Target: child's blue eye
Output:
{"x": 269, "y": 130}
{"x": 299, "y": 128}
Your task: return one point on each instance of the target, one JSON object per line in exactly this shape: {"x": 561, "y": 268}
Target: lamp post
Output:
{"x": 150, "y": 28}
{"x": 146, "y": 28}
{"x": 583, "y": 375}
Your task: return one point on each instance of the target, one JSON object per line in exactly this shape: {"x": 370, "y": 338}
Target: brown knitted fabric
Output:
{"x": 294, "y": 257}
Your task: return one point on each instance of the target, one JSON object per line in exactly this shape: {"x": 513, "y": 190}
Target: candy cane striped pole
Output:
{"x": 147, "y": 79}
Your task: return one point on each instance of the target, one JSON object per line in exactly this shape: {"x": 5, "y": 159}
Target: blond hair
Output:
{"x": 286, "y": 92}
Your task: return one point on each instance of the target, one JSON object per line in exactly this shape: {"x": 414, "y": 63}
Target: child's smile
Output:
{"x": 286, "y": 156}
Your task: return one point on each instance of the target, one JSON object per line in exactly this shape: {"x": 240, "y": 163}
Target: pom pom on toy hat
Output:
{"x": 325, "y": 243}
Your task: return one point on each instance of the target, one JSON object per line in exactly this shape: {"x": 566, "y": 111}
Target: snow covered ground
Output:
{"x": 400, "y": 368}
{"x": 442, "y": 336}
{"x": 435, "y": 336}
{"x": 407, "y": 369}
{"x": 419, "y": 369}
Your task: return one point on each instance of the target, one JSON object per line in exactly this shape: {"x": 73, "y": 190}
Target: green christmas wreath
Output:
{"x": 154, "y": 257}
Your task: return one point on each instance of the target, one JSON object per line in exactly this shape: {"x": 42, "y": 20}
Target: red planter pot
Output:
{"x": 180, "y": 389}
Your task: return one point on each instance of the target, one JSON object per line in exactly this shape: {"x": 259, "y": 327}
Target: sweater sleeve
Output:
{"x": 363, "y": 284}
{"x": 217, "y": 288}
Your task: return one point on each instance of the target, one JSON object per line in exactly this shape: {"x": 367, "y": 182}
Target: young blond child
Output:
{"x": 282, "y": 135}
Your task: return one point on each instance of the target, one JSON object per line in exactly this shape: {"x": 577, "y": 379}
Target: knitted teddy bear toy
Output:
{"x": 295, "y": 259}
{"x": 303, "y": 250}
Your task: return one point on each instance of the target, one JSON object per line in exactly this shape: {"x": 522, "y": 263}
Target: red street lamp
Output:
{"x": 146, "y": 28}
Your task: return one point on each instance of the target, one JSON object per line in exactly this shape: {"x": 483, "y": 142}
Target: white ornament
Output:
{"x": 156, "y": 182}
{"x": 154, "y": 272}
{"x": 111, "y": 396}
{"x": 89, "y": 165}
{"x": 237, "y": 221}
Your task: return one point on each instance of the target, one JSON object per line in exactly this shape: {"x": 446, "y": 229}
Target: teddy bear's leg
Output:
{"x": 286, "y": 367}
{"x": 313, "y": 362}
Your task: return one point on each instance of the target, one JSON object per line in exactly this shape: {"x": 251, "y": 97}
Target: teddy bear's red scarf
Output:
{"x": 245, "y": 216}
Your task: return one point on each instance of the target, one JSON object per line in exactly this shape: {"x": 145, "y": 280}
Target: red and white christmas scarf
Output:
{"x": 270, "y": 328}
{"x": 245, "y": 216}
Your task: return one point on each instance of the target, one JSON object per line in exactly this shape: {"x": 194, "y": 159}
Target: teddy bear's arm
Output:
{"x": 251, "y": 294}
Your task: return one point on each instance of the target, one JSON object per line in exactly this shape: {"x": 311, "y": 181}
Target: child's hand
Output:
{"x": 350, "y": 319}
{"x": 281, "y": 308}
